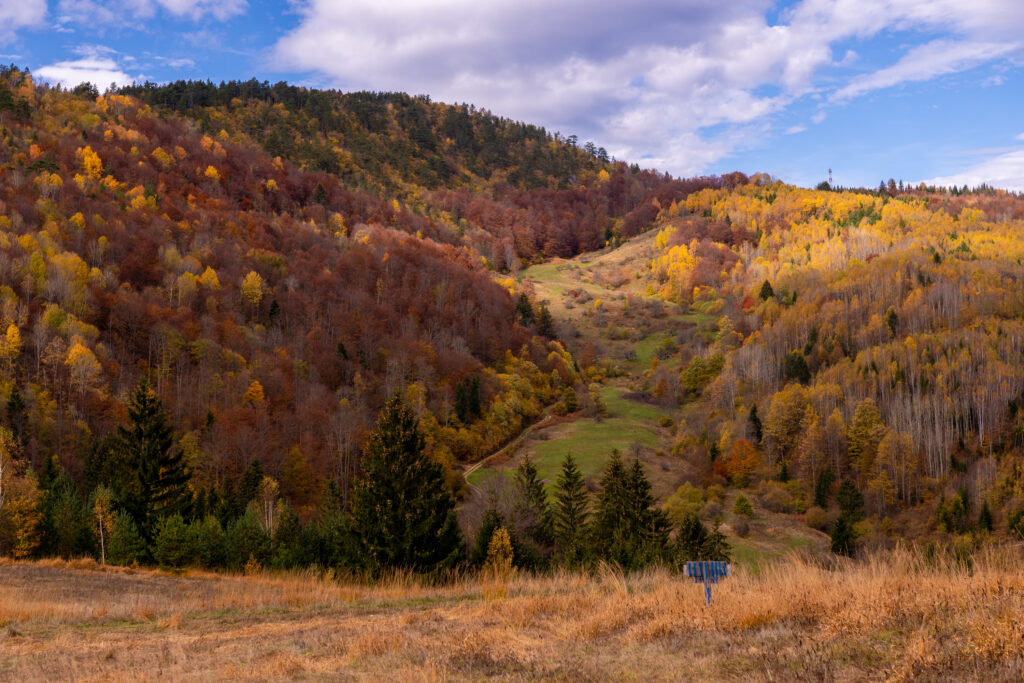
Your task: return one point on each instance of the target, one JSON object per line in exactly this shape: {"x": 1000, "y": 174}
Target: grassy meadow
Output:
{"x": 898, "y": 617}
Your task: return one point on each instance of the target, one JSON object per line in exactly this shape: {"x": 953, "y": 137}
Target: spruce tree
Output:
{"x": 842, "y": 536}
{"x": 532, "y": 506}
{"x": 823, "y": 487}
{"x": 155, "y": 481}
{"x": 570, "y": 512}
{"x": 851, "y": 501}
{"x": 545, "y": 323}
{"x": 611, "y": 528}
{"x": 766, "y": 291}
{"x": 524, "y": 310}
{"x": 649, "y": 526}
{"x": 403, "y": 514}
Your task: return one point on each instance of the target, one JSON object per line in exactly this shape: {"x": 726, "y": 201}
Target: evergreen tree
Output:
{"x": 532, "y": 507}
{"x": 67, "y": 523}
{"x": 287, "y": 551}
{"x": 155, "y": 481}
{"x": 755, "y": 424}
{"x": 545, "y": 323}
{"x": 766, "y": 291}
{"x": 246, "y": 539}
{"x": 248, "y": 487}
{"x": 172, "y": 544}
{"x": 851, "y": 501}
{"x": 690, "y": 538}
{"x": 610, "y": 527}
{"x": 570, "y": 512}
{"x": 716, "y": 548}
{"x": 524, "y": 310}
{"x": 842, "y": 536}
{"x": 648, "y": 525}
{"x": 823, "y": 487}
{"x": 208, "y": 541}
{"x": 985, "y": 517}
{"x": 126, "y": 543}
{"x": 467, "y": 399}
{"x": 402, "y": 512}
{"x": 17, "y": 415}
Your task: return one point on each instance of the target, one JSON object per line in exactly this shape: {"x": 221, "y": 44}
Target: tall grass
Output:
{"x": 901, "y": 615}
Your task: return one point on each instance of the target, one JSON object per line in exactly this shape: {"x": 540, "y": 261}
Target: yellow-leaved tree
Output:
{"x": 252, "y": 288}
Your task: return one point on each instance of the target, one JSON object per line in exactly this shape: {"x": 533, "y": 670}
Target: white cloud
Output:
{"x": 1004, "y": 171}
{"x": 647, "y": 79}
{"x": 99, "y": 14}
{"x": 98, "y": 70}
{"x": 925, "y": 62}
{"x": 793, "y": 130}
{"x": 19, "y": 14}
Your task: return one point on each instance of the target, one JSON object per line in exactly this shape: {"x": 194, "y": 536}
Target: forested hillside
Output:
{"x": 272, "y": 263}
{"x": 870, "y": 338}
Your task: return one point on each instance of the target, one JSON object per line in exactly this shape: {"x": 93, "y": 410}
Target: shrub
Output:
{"x": 741, "y": 527}
{"x": 743, "y": 508}
{"x": 816, "y": 518}
{"x": 776, "y": 498}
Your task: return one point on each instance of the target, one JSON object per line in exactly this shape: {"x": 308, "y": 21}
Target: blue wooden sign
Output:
{"x": 707, "y": 572}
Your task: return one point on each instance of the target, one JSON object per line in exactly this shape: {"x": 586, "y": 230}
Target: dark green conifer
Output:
{"x": 532, "y": 507}
{"x": 156, "y": 480}
{"x": 545, "y": 323}
{"x": 403, "y": 514}
{"x": 570, "y": 512}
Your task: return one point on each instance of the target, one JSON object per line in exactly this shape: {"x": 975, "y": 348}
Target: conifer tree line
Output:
{"x": 137, "y": 504}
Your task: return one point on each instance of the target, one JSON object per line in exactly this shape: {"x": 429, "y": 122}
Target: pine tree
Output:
{"x": 766, "y": 291}
{"x": 403, "y": 514}
{"x": 570, "y": 512}
{"x": 155, "y": 481}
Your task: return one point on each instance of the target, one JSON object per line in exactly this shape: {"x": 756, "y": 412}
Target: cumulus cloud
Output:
{"x": 97, "y": 66}
{"x": 19, "y": 14}
{"x": 1003, "y": 170}
{"x": 683, "y": 82}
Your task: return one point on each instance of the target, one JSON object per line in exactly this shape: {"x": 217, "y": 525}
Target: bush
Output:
{"x": 1016, "y": 522}
{"x": 776, "y": 498}
{"x": 741, "y": 527}
{"x": 816, "y": 518}
{"x": 742, "y": 507}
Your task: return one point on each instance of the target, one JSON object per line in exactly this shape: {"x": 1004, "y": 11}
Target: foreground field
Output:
{"x": 893, "y": 618}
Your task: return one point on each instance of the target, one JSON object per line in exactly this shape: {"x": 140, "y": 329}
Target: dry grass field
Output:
{"x": 897, "y": 617}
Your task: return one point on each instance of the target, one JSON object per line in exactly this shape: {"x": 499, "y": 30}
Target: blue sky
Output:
{"x": 908, "y": 89}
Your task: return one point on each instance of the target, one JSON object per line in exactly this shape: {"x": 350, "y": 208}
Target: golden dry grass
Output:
{"x": 896, "y": 617}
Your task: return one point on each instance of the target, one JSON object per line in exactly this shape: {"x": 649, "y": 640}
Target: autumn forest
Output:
{"x": 227, "y": 311}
